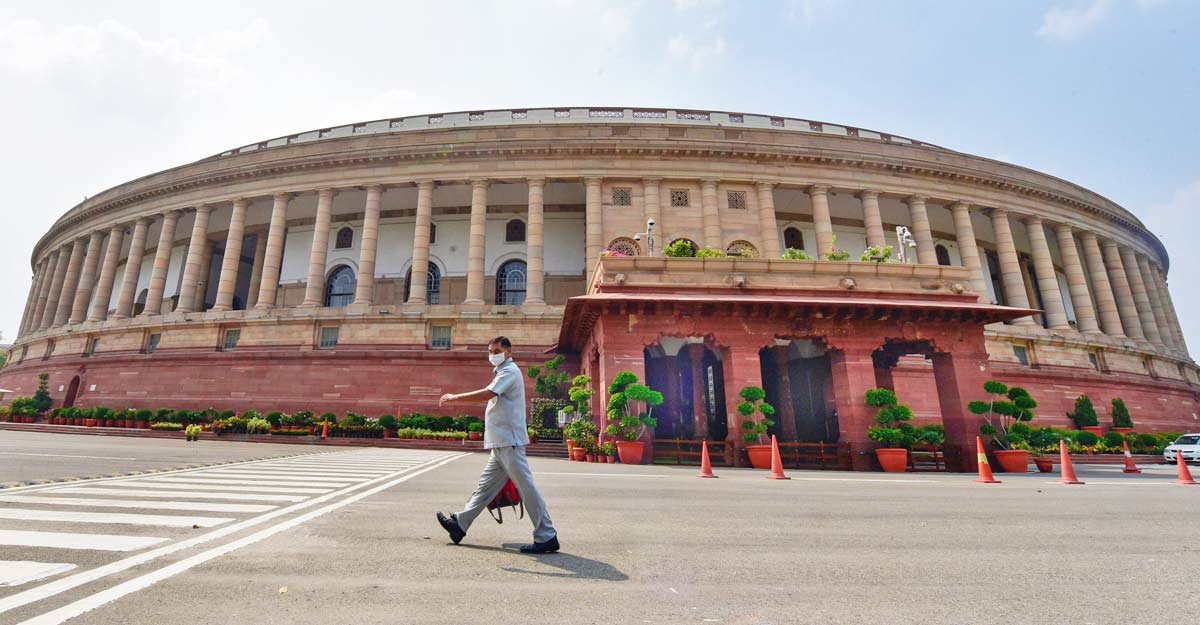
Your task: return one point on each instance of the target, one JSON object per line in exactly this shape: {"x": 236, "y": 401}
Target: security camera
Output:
{"x": 637, "y": 237}
{"x": 650, "y": 222}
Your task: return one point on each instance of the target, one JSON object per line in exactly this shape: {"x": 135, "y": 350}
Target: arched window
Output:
{"x": 624, "y": 245}
{"x": 793, "y": 238}
{"x": 339, "y": 289}
{"x": 139, "y": 304}
{"x": 510, "y": 283}
{"x": 345, "y": 239}
{"x": 742, "y": 248}
{"x": 514, "y": 231}
{"x": 433, "y": 288}
{"x": 943, "y": 254}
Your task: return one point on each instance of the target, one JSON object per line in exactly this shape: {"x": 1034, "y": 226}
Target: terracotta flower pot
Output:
{"x": 1013, "y": 460}
{"x": 578, "y": 454}
{"x": 474, "y": 436}
{"x": 570, "y": 448}
{"x": 760, "y": 456}
{"x": 141, "y": 425}
{"x": 89, "y": 423}
{"x": 1122, "y": 430}
{"x": 630, "y": 451}
{"x": 610, "y": 459}
{"x": 1044, "y": 465}
{"x": 1094, "y": 429}
{"x": 591, "y": 457}
{"x": 892, "y": 459}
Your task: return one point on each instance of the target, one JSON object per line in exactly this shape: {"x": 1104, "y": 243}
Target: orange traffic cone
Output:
{"x": 325, "y": 429}
{"x": 776, "y": 462}
{"x": 1185, "y": 475}
{"x": 1130, "y": 467}
{"x": 985, "y": 469}
{"x": 705, "y": 463}
{"x": 1068, "y": 471}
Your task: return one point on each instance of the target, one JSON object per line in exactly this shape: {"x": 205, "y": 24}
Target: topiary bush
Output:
{"x": 1087, "y": 438}
{"x": 387, "y": 421}
{"x": 624, "y": 407}
{"x": 1085, "y": 413}
{"x": 1113, "y": 439}
{"x": 41, "y": 397}
{"x": 1004, "y": 409}
{"x": 891, "y": 429}
{"x": 1120, "y": 414}
{"x": 752, "y": 402}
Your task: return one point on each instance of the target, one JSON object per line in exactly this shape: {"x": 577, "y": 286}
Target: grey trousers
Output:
{"x": 504, "y": 464}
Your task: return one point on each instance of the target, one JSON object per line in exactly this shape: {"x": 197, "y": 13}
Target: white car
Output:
{"x": 1188, "y": 444}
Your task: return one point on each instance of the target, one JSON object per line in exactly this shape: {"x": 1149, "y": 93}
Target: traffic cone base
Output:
{"x": 1068, "y": 470}
{"x": 985, "y": 470}
{"x": 705, "y": 463}
{"x": 776, "y": 462}
{"x": 1185, "y": 475}
{"x": 1130, "y": 467}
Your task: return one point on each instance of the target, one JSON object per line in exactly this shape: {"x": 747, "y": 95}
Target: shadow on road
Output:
{"x": 573, "y": 567}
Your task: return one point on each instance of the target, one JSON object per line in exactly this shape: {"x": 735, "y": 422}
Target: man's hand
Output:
{"x": 448, "y": 397}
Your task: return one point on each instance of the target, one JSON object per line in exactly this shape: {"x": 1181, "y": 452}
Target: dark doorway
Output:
{"x": 693, "y": 385}
{"x": 816, "y": 421}
{"x": 72, "y": 391}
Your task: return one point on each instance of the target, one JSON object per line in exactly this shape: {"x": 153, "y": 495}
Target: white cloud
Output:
{"x": 1065, "y": 24}
{"x": 698, "y": 55}
{"x": 687, "y": 5}
{"x": 1174, "y": 221}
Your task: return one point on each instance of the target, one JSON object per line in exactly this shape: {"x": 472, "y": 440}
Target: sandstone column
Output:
{"x": 1056, "y": 310}
{"x": 231, "y": 260}
{"x": 1010, "y": 265}
{"x": 1164, "y": 298}
{"x": 651, "y": 194}
{"x": 1081, "y": 300}
{"x": 1169, "y": 309}
{"x": 191, "y": 268}
{"x": 594, "y": 217}
{"x": 31, "y": 298}
{"x": 710, "y": 213}
{"x": 699, "y": 390}
{"x": 478, "y": 242}
{"x": 785, "y": 410}
{"x": 269, "y": 282}
{"x": 87, "y": 279}
{"x": 133, "y": 269}
{"x": 314, "y": 289}
{"x": 364, "y": 289}
{"x": 256, "y": 269}
{"x": 108, "y": 274}
{"x": 968, "y": 250}
{"x": 1123, "y": 292}
{"x": 418, "y": 288}
{"x": 55, "y": 296}
{"x": 43, "y": 301}
{"x": 1141, "y": 300}
{"x": 162, "y": 262}
{"x": 535, "y": 286}
{"x": 919, "y": 216}
{"x": 872, "y": 218}
{"x": 1106, "y": 301}
{"x": 768, "y": 228}
{"x": 821, "y": 219}
{"x": 1161, "y": 322}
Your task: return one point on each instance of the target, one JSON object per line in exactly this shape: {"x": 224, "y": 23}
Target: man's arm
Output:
{"x": 481, "y": 395}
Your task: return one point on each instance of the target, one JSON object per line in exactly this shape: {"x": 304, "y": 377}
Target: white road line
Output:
{"x": 192, "y": 506}
{"x": 17, "y": 572}
{"x": 350, "y": 467}
{"x": 72, "y": 540}
{"x": 173, "y": 494}
{"x": 241, "y": 482}
{"x": 308, "y": 473}
{"x": 14, "y": 453}
{"x": 58, "y": 586}
{"x": 156, "y": 485}
{"x": 279, "y": 477}
{"x": 114, "y": 518}
{"x": 71, "y": 610}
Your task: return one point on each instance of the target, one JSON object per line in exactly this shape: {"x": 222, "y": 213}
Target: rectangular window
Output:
{"x": 92, "y": 346}
{"x": 1022, "y": 354}
{"x": 440, "y": 337}
{"x": 49, "y": 350}
{"x": 679, "y": 197}
{"x": 1148, "y": 362}
{"x": 736, "y": 200}
{"x": 1095, "y": 360}
{"x": 622, "y": 197}
{"x": 230, "y": 339}
{"x": 152, "y": 343}
{"x": 329, "y": 337}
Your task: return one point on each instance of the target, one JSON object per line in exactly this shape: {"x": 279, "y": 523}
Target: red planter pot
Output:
{"x": 892, "y": 459}
{"x": 1013, "y": 460}
{"x": 1044, "y": 465}
{"x": 141, "y": 425}
{"x": 1122, "y": 430}
{"x": 630, "y": 451}
{"x": 89, "y": 423}
{"x": 1094, "y": 429}
{"x": 474, "y": 436}
{"x": 760, "y": 456}
{"x": 590, "y": 457}
{"x": 578, "y": 454}
{"x": 611, "y": 459}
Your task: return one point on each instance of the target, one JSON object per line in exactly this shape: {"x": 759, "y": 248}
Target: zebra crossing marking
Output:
{"x": 75, "y": 540}
{"x": 112, "y": 518}
{"x": 191, "y": 506}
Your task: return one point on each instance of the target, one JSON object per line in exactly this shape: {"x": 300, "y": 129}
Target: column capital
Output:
{"x": 478, "y": 183}
{"x": 536, "y": 181}
{"x": 202, "y": 208}
{"x": 327, "y": 192}
{"x": 593, "y": 180}
{"x": 649, "y": 181}
{"x": 282, "y": 196}
{"x": 244, "y": 202}
{"x": 144, "y": 220}
{"x": 1032, "y": 220}
{"x": 818, "y": 189}
{"x": 710, "y": 181}
{"x": 960, "y": 205}
{"x": 869, "y": 193}
{"x": 1062, "y": 227}
{"x": 377, "y": 188}
{"x": 426, "y": 183}
{"x": 1109, "y": 243}
{"x": 997, "y": 213}
{"x": 915, "y": 199}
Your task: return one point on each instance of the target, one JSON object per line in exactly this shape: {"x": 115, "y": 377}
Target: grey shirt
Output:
{"x": 504, "y": 419}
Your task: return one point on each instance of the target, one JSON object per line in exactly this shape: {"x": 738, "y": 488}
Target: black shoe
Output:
{"x": 450, "y": 524}
{"x": 550, "y": 546}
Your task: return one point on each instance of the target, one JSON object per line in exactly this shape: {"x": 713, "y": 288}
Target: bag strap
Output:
{"x": 497, "y": 514}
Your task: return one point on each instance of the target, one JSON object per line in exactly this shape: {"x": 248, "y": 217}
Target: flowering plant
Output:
{"x": 612, "y": 253}
{"x": 876, "y": 253}
{"x": 834, "y": 253}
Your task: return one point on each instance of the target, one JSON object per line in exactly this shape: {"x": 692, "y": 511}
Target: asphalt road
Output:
{"x": 657, "y": 545}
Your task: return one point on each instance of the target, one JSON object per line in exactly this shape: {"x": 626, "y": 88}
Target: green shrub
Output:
{"x": 387, "y": 421}
{"x": 876, "y": 254}
{"x": 143, "y": 414}
{"x": 710, "y": 252}
{"x": 443, "y": 423}
{"x": 257, "y": 426}
{"x": 41, "y": 397}
{"x": 1084, "y": 414}
{"x": 624, "y": 407}
{"x": 1087, "y": 439}
{"x": 167, "y": 425}
{"x": 550, "y": 380}
{"x": 475, "y": 427}
{"x": 163, "y": 414}
{"x": 892, "y": 428}
{"x": 1120, "y": 414}
{"x": 275, "y": 418}
{"x": 752, "y": 402}
{"x": 580, "y": 394}
{"x": 225, "y": 414}
{"x": 103, "y": 412}
{"x": 580, "y": 429}
{"x": 1006, "y": 408}
{"x": 792, "y": 253}
{"x": 353, "y": 418}
{"x": 835, "y": 253}
{"x": 183, "y": 416}
{"x": 681, "y": 248}
{"x": 327, "y": 416}
{"x": 1113, "y": 439}
{"x": 303, "y": 417}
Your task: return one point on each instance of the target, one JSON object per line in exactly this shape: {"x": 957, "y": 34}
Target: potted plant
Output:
{"x": 792, "y": 253}
{"x": 589, "y": 447}
{"x": 891, "y": 430}
{"x": 580, "y": 395}
{"x": 834, "y": 253}
{"x": 192, "y": 432}
{"x": 1085, "y": 417}
{"x": 580, "y": 430}
{"x": 1006, "y": 409}
{"x": 533, "y": 435}
{"x": 475, "y": 432}
{"x": 141, "y": 418}
{"x": 609, "y": 450}
{"x": 1121, "y": 420}
{"x": 681, "y": 248}
{"x": 626, "y": 398}
{"x": 709, "y": 252}
{"x": 388, "y": 423}
{"x": 876, "y": 254}
{"x": 754, "y": 428}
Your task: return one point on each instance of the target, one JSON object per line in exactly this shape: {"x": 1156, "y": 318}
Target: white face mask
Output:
{"x": 496, "y": 359}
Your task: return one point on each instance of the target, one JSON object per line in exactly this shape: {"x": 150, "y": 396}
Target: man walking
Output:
{"x": 505, "y": 435}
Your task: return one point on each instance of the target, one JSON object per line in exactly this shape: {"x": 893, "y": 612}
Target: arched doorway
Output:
{"x": 689, "y": 374}
{"x": 797, "y": 377}
{"x": 72, "y": 392}
{"x": 339, "y": 288}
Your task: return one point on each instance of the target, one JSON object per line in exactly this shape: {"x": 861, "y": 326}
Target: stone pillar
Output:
{"x": 1169, "y": 309}
{"x": 959, "y": 376}
{"x": 741, "y": 366}
{"x": 43, "y": 300}
{"x": 314, "y": 289}
{"x": 699, "y": 389}
{"x": 273, "y": 257}
{"x": 821, "y": 219}
{"x": 1161, "y": 321}
{"x": 919, "y": 216}
{"x": 478, "y": 242}
{"x": 1081, "y": 299}
{"x": 853, "y": 373}
{"x": 651, "y": 194}
{"x": 108, "y": 274}
{"x": 57, "y": 286}
{"x": 1010, "y": 265}
{"x": 256, "y": 270}
{"x": 768, "y": 228}
{"x": 70, "y": 282}
{"x": 594, "y": 216}
{"x": 1047, "y": 281}
{"x": 535, "y": 285}
{"x": 162, "y": 262}
{"x": 191, "y": 268}
{"x": 710, "y": 213}
{"x": 785, "y": 412}
{"x": 133, "y": 269}
{"x": 1123, "y": 292}
{"x": 968, "y": 250}
{"x": 231, "y": 261}
{"x": 419, "y": 283}
{"x": 364, "y": 289}
{"x": 1106, "y": 302}
{"x": 1164, "y": 300}
{"x": 872, "y": 218}
{"x": 87, "y": 278}
{"x": 202, "y": 280}
{"x": 1141, "y": 299}
{"x": 31, "y": 298}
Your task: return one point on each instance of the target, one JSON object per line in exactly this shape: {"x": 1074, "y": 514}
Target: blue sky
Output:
{"x": 1103, "y": 93}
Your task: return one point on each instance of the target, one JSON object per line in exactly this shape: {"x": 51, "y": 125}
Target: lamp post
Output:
{"x": 649, "y": 235}
{"x": 906, "y": 240}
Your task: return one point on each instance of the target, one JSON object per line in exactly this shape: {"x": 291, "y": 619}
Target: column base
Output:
{"x": 414, "y": 308}
{"x": 475, "y": 307}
